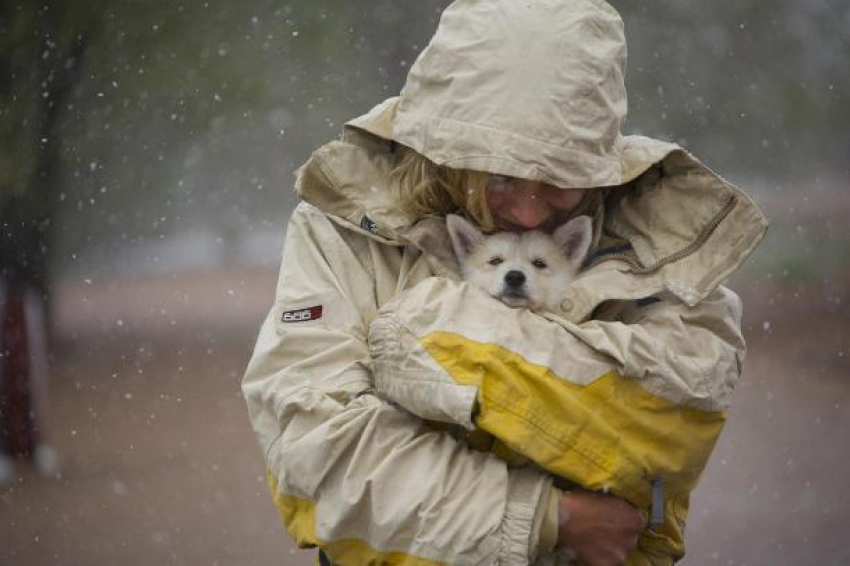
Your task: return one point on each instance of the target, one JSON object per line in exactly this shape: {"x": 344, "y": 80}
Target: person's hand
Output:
{"x": 599, "y": 530}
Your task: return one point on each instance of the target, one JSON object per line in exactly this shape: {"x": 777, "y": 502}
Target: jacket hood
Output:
{"x": 526, "y": 89}
{"x": 535, "y": 90}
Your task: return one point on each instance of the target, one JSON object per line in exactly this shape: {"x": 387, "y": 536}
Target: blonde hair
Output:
{"x": 423, "y": 188}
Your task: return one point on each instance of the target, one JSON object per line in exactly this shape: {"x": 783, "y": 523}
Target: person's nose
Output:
{"x": 530, "y": 209}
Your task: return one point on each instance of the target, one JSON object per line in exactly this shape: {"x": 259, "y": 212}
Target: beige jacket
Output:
{"x": 408, "y": 418}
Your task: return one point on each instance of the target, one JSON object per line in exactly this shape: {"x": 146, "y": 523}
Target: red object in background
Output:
{"x": 21, "y": 378}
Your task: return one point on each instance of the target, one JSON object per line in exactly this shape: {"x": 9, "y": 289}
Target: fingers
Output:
{"x": 600, "y": 528}
{"x": 634, "y": 519}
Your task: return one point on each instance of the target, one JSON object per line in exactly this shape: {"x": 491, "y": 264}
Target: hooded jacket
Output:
{"x": 408, "y": 418}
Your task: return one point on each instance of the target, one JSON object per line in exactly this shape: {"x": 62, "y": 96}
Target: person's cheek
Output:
{"x": 496, "y": 200}
{"x": 566, "y": 199}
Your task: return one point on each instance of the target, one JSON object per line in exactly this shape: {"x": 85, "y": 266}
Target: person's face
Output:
{"x": 519, "y": 204}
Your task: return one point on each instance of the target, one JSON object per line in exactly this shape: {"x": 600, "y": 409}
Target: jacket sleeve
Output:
{"x": 607, "y": 404}
{"x": 349, "y": 472}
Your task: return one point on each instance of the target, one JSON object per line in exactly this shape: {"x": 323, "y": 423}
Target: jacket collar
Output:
{"x": 683, "y": 228}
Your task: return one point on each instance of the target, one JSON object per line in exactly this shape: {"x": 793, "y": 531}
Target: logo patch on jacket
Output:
{"x": 302, "y": 315}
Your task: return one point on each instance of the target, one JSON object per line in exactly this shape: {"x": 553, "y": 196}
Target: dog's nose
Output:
{"x": 515, "y": 278}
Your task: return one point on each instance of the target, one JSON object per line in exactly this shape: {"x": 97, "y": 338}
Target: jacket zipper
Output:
{"x": 638, "y": 268}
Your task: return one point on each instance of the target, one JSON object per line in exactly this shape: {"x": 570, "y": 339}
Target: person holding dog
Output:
{"x": 407, "y": 417}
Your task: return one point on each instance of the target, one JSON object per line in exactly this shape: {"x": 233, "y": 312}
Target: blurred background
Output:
{"x": 146, "y": 159}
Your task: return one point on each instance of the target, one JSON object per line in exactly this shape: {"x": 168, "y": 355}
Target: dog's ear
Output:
{"x": 464, "y": 235}
{"x": 574, "y": 238}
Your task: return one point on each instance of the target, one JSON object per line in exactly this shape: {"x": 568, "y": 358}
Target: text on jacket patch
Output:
{"x": 302, "y": 315}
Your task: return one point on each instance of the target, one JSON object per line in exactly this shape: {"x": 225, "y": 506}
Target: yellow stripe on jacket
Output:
{"x": 299, "y": 518}
{"x": 608, "y": 435}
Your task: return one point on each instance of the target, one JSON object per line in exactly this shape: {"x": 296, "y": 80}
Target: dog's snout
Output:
{"x": 515, "y": 278}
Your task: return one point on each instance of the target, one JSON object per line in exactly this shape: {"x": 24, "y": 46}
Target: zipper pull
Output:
{"x": 656, "y": 518}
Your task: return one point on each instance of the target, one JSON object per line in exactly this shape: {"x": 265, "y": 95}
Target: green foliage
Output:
{"x": 19, "y": 103}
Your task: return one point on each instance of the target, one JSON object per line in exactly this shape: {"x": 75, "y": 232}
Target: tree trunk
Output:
{"x": 26, "y": 224}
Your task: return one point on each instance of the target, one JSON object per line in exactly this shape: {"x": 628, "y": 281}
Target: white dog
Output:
{"x": 530, "y": 269}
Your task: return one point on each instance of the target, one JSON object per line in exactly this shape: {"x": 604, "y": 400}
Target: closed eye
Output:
{"x": 539, "y": 264}
{"x": 498, "y": 180}
{"x": 496, "y": 261}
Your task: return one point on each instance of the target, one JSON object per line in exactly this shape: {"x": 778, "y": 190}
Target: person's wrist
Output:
{"x": 563, "y": 509}
{"x": 565, "y": 514}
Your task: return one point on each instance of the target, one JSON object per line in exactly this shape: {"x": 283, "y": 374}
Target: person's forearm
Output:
{"x": 349, "y": 471}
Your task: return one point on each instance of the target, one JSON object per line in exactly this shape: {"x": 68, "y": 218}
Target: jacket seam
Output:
{"x": 437, "y": 119}
{"x": 532, "y": 417}
{"x": 285, "y": 399}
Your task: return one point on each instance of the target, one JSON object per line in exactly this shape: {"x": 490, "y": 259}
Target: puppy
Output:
{"x": 528, "y": 270}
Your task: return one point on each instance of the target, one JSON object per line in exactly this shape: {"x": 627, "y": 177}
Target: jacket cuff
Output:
{"x": 528, "y": 493}
{"x": 405, "y": 374}
{"x": 547, "y": 524}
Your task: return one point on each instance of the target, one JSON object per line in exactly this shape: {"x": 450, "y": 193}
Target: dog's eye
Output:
{"x": 539, "y": 264}
{"x": 496, "y": 261}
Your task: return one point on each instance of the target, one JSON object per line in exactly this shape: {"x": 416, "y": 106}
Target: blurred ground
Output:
{"x": 159, "y": 465}
{"x": 777, "y": 490}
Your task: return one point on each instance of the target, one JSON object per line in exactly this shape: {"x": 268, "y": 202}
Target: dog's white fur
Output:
{"x": 529, "y": 269}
